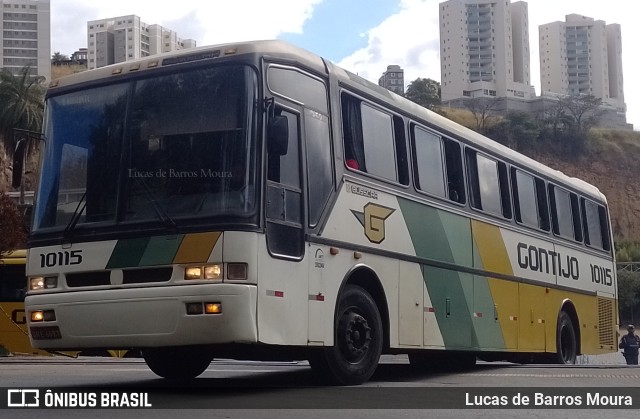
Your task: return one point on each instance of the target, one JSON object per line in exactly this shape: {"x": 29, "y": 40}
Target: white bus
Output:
{"x": 255, "y": 201}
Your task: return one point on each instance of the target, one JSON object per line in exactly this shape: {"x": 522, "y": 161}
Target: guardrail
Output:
{"x": 628, "y": 266}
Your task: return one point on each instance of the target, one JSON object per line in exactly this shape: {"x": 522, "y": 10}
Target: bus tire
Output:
{"x": 566, "y": 342}
{"x": 179, "y": 362}
{"x": 358, "y": 340}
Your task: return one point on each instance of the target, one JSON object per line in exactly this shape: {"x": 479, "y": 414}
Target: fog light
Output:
{"x": 237, "y": 271}
{"x": 37, "y": 316}
{"x": 213, "y": 272}
{"x": 194, "y": 272}
{"x": 213, "y": 308}
{"x": 194, "y": 308}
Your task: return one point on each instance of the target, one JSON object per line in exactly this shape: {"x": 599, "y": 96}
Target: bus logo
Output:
{"x": 23, "y": 397}
{"x": 373, "y": 220}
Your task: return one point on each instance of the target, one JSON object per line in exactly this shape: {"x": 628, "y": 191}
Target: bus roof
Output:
{"x": 283, "y": 50}
{"x": 279, "y": 49}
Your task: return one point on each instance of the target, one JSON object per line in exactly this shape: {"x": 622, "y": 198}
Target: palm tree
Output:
{"x": 21, "y": 103}
{"x": 57, "y": 57}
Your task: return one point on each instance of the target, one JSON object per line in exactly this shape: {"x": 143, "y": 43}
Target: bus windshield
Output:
{"x": 159, "y": 149}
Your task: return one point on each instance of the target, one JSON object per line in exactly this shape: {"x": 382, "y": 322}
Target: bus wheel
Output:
{"x": 566, "y": 345}
{"x": 358, "y": 340}
{"x": 180, "y": 362}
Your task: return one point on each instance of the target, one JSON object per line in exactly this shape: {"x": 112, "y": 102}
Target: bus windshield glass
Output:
{"x": 160, "y": 149}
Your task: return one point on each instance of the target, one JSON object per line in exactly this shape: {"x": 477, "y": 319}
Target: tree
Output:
{"x": 21, "y": 103}
{"x": 13, "y": 233}
{"x": 425, "y": 92}
{"x": 628, "y": 295}
{"x": 57, "y": 57}
{"x": 517, "y": 130}
{"x": 569, "y": 121}
{"x": 584, "y": 112}
{"x": 482, "y": 109}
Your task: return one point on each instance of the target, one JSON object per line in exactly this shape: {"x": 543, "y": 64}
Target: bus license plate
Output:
{"x": 46, "y": 332}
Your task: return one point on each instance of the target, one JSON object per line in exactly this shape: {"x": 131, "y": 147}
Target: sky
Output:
{"x": 362, "y": 36}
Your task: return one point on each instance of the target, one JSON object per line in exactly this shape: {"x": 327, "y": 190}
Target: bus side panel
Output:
{"x": 282, "y": 298}
{"x": 490, "y": 254}
{"x": 445, "y": 237}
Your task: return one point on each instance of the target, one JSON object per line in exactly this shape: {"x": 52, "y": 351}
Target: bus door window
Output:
{"x": 284, "y": 195}
{"x": 319, "y": 163}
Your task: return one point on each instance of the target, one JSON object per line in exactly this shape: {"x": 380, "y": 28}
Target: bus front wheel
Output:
{"x": 357, "y": 343}
{"x": 566, "y": 342}
{"x": 180, "y": 362}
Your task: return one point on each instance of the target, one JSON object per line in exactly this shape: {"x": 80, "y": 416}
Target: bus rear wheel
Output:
{"x": 566, "y": 342}
{"x": 357, "y": 343}
{"x": 179, "y": 362}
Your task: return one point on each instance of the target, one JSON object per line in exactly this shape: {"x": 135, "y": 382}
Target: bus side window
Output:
{"x": 352, "y": 131}
{"x": 489, "y": 184}
{"x": 529, "y": 200}
{"x": 594, "y": 222}
{"x": 374, "y": 140}
{"x": 455, "y": 174}
{"x": 428, "y": 163}
{"x": 565, "y": 213}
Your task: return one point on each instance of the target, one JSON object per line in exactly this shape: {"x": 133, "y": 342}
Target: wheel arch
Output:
{"x": 366, "y": 278}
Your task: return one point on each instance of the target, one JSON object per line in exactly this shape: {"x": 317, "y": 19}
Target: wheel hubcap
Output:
{"x": 356, "y": 336}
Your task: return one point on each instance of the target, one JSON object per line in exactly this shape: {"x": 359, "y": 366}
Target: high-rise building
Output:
{"x": 126, "y": 38}
{"x": 582, "y": 56}
{"x": 393, "y": 79}
{"x": 25, "y": 32}
{"x": 484, "y": 49}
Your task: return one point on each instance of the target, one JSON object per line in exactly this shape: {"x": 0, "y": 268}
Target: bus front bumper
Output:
{"x": 143, "y": 317}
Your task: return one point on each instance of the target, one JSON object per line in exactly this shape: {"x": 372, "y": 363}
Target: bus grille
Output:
{"x": 88, "y": 279}
{"x": 130, "y": 276}
{"x": 606, "y": 324}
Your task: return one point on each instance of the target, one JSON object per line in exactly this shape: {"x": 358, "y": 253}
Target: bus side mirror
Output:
{"x": 18, "y": 163}
{"x": 278, "y": 135}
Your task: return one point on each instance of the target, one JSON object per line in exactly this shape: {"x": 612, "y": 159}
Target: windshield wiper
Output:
{"x": 77, "y": 213}
{"x": 162, "y": 214}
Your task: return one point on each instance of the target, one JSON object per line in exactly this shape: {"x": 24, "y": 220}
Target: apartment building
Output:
{"x": 582, "y": 56}
{"x": 25, "y": 32}
{"x": 393, "y": 79}
{"x": 484, "y": 49}
{"x": 125, "y": 38}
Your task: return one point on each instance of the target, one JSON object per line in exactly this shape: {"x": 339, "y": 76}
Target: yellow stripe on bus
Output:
{"x": 196, "y": 247}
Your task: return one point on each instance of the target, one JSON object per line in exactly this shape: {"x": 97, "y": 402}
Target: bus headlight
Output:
{"x": 213, "y": 272}
{"x": 194, "y": 272}
{"x": 203, "y": 272}
{"x": 38, "y": 283}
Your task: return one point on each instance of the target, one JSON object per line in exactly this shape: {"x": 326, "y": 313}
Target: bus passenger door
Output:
{"x": 282, "y": 293}
{"x": 284, "y": 215}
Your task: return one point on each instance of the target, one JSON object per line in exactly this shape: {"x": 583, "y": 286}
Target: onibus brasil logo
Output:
{"x": 373, "y": 220}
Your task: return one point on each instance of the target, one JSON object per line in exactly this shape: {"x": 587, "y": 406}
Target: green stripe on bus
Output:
{"x": 127, "y": 253}
{"x": 427, "y": 233}
{"x": 161, "y": 250}
{"x": 445, "y": 237}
